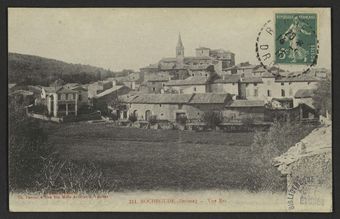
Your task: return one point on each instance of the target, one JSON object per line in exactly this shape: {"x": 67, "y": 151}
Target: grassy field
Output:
{"x": 141, "y": 159}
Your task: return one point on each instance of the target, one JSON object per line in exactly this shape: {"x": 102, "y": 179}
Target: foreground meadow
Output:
{"x": 143, "y": 159}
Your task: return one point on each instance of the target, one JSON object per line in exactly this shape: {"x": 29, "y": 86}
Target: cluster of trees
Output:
{"x": 35, "y": 166}
{"x": 323, "y": 97}
{"x": 34, "y": 70}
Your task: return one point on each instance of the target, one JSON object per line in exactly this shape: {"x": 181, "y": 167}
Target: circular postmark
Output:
{"x": 303, "y": 194}
{"x": 288, "y": 44}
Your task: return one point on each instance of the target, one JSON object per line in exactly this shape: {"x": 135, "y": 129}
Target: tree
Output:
{"x": 182, "y": 120}
{"x": 102, "y": 106}
{"x": 34, "y": 166}
{"x": 153, "y": 119}
{"x": 26, "y": 147}
{"x": 132, "y": 117}
{"x": 212, "y": 118}
{"x": 323, "y": 97}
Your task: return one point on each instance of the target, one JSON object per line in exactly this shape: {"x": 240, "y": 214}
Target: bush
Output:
{"x": 132, "y": 118}
{"x": 262, "y": 175}
{"x": 102, "y": 107}
{"x": 60, "y": 176}
{"x": 181, "y": 120}
{"x": 114, "y": 116}
{"x": 153, "y": 119}
{"x": 323, "y": 97}
{"x": 84, "y": 109}
{"x": 212, "y": 119}
{"x": 39, "y": 109}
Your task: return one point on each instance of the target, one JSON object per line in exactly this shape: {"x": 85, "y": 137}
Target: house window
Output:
{"x": 192, "y": 75}
{"x": 233, "y": 83}
{"x": 206, "y": 75}
{"x": 79, "y": 97}
{"x": 194, "y": 88}
{"x": 308, "y": 83}
{"x": 63, "y": 97}
{"x": 255, "y": 84}
{"x": 282, "y": 83}
{"x": 160, "y": 105}
{"x": 269, "y": 93}
{"x": 59, "y": 96}
{"x": 62, "y": 107}
{"x": 256, "y": 92}
{"x": 247, "y": 84}
{"x": 153, "y": 89}
{"x": 283, "y": 93}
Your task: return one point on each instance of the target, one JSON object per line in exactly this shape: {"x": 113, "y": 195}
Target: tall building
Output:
{"x": 179, "y": 48}
{"x": 181, "y": 66}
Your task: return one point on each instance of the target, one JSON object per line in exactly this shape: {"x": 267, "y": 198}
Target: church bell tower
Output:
{"x": 179, "y": 48}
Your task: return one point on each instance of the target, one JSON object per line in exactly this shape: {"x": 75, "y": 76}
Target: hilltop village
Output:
{"x": 181, "y": 90}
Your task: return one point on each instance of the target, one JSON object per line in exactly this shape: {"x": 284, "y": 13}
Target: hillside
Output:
{"x": 29, "y": 69}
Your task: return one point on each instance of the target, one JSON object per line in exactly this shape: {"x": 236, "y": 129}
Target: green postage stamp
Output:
{"x": 296, "y": 38}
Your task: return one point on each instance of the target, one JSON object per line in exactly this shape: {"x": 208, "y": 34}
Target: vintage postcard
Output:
{"x": 170, "y": 109}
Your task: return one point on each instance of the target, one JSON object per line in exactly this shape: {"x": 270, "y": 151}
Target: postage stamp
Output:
{"x": 295, "y": 38}
{"x": 289, "y": 42}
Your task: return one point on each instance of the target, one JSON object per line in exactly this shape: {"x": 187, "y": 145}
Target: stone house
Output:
{"x": 189, "y": 86}
{"x": 268, "y": 87}
{"x": 304, "y": 96}
{"x": 288, "y": 86}
{"x": 301, "y": 112}
{"x": 154, "y": 83}
{"x": 132, "y": 81}
{"x": 98, "y": 87}
{"x": 22, "y": 96}
{"x": 244, "y": 111}
{"x": 244, "y": 68}
{"x": 226, "y": 84}
{"x": 110, "y": 96}
{"x": 307, "y": 167}
{"x": 202, "y": 71}
{"x": 171, "y": 107}
{"x": 60, "y": 101}
{"x": 249, "y": 88}
{"x": 82, "y": 93}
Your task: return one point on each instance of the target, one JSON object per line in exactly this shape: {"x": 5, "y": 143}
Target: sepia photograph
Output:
{"x": 170, "y": 110}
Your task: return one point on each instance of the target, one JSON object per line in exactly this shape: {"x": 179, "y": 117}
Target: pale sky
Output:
{"x": 133, "y": 38}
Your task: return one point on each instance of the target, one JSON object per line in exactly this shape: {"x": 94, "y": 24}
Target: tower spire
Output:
{"x": 179, "y": 43}
{"x": 179, "y": 47}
